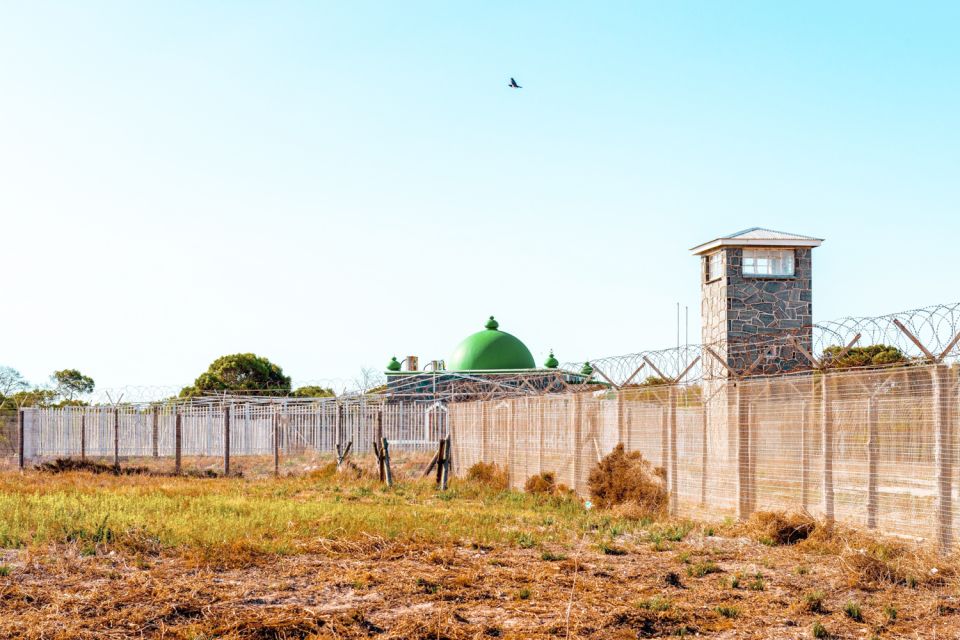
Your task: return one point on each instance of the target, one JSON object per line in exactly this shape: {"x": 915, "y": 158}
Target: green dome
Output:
{"x": 490, "y": 349}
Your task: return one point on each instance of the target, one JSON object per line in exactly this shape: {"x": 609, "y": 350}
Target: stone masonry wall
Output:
{"x": 744, "y": 313}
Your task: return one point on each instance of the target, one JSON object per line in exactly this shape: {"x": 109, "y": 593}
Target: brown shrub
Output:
{"x": 546, "y": 484}
{"x": 490, "y": 475}
{"x": 778, "y": 529}
{"x": 623, "y": 477}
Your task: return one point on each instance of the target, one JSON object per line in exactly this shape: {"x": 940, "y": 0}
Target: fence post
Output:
{"x": 826, "y": 429}
{"x": 575, "y": 433}
{"x": 116, "y": 438}
{"x": 226, "y": 440}
{"x": 672, "y": 428}
{"x": 620, "y": 425}
{"x": 744, "y": 489}
{"x": 873, "y": 453}
{"x": 483, "y": 432}
{"x": 156, "y": 432}
{"x": 21, "y": 419}
{"x": 804, "y": 453}
{"x": 177, "y": 439}
{"x": 943, "y": 454}
{"x": 276, "y": 444}
{"x": 704, "y": 458}
{"x": 542, "y": 406}
{"x": 83, "y": 434}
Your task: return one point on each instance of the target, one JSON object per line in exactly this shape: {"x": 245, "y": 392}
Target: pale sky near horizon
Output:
{"x": 331, "y": 184}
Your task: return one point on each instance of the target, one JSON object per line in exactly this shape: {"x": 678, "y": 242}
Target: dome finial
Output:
{"x": 587, "y": 370}
{"x": 552, "y": 362}
{"x": 492, "y": 324}
{"x": 393, "y": 365}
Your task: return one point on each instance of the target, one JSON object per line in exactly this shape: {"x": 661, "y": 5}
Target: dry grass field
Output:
{"x": 324, "y": 555}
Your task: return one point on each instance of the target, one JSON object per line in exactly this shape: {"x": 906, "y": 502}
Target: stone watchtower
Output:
{"x": 756, "y": 295}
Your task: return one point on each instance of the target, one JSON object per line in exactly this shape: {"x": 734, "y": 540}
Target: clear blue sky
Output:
{"x": 331, "y": 184}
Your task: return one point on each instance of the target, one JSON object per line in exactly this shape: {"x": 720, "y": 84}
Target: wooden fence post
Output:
{"x": 943, "y": 455}
{"x": 21, "y": 419}
{"x": 744, "y": 490}
{"x": 226, "y": 441}
{"x": 177, "y": 439}
{"x": 83, "y": 434}
{"x": 116, "y": 438}
{"x": 873, "y": 454}
{"x": 672, "y": 435}
{"x": 826, "y": 430}
{"x": 156, "y": 432}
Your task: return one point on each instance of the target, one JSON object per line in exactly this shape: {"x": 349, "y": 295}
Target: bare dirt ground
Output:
{"x": 713, "y": 586}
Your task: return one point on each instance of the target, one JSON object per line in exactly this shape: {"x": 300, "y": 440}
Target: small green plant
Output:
{"x": 549, "y": 556}
{"x": 852, "y": 609}
{"x": 684, "y": 557}
{"x": 4, "y": 570}
{"x": 819, "y": 631}
{"x": 891, "y": 612}
{"x": 735, "y": 582}
{"x": 813, "y": 602}
{"x": 803, "y": 570}
{"x": 728, "y": 612}
{"x": 756, "y": 584}
{"x": 701, "y": 569}
{"x": 524, "y": 594}
{"x": 912, "y": 582}
{"x": 656, "y": 603}
{"x": 708, "y": 532}
{"x": 525, "y": 540}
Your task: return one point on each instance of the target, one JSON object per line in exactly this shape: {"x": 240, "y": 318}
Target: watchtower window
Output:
{"x": 768, "y": 262}
{"x": 714, "y": 266}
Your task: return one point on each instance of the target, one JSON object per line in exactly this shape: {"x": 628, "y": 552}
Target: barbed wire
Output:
{"x": 927, "y": 334}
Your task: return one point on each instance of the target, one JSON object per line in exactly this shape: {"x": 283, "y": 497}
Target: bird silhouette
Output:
{"x": 513, "y": 84}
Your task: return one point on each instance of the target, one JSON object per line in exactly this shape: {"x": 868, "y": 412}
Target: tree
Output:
{"x": 243, "y": 372}
{"x": 313, "y": 391}
{"x": 11, "y": 381}
{"x": 69, "y": 383}
{"x": 34, "y": 398}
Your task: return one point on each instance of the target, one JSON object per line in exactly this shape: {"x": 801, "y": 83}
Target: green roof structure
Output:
{"x": 491, "y": 350}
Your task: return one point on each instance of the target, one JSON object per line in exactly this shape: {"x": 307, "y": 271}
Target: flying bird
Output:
{"x": 513, "y": 84}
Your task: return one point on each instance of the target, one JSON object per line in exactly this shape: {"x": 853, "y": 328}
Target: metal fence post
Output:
{"x": 873, "y": 453}
{"x": 21, "y": 419}
{"x": 156, "y": 432}
{"x": 744, "y": 490}
{"x": 116, "y": 438}
{"x": 83, "y": 434}
{"x": 177, "y": 439}
{"x": 672, "y": 436}
{"x": 226, "y": 440}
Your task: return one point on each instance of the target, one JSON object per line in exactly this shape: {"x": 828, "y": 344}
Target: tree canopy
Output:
{"x": 240, "y": 372}
{"x": 313, "y": 391}
{"x": 874, "y": 355}
{"x": 70, "y": 383}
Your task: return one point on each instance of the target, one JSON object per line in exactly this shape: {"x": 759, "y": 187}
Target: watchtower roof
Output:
{"x": 758, "y": 237}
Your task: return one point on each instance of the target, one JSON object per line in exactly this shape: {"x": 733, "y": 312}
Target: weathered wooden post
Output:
{"x": 21, "y": 432}
{"x": 177, "y": 439}
{"x": 826, "y": 437}
{"x": 943, "y": 455}
{"x": 541, "y": 406}
{"x": 116, "y": 438}
{"x": 156, "y": 432}
{"x": 873, "y": 455}
{"x": 226, "y": 440}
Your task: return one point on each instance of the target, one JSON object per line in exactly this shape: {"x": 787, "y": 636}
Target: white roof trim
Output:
{"x": 758, "y": 237}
